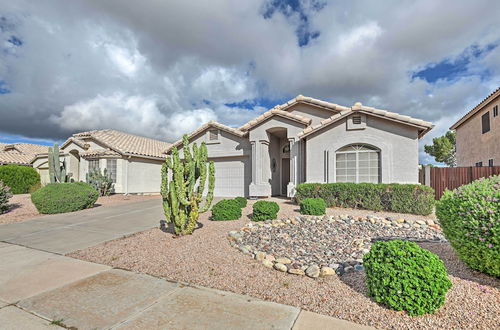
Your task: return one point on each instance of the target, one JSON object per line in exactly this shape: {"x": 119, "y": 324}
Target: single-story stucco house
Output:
{"x": 309, "y": 140}
{"x": 19, "y": 153}
{"x": 134, "y": 162}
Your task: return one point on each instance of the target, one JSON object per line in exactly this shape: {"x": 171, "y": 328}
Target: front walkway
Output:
{"x": 39, "y": 286}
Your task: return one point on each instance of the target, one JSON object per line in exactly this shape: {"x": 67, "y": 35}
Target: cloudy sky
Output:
{"x": 162, "y": 68}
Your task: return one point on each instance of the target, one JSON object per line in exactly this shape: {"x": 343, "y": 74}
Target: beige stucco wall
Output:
{"x": 472, "y": 145}
{"x": 316, "y": 114}
{"x": 398, "y": 146}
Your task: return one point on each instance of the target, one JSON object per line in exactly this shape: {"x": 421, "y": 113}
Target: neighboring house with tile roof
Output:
{"x": 133, "y": 161}
{"x": 478, "y": 133}
{"x": 309, "y": 140}
{"x": 19, "y": 153}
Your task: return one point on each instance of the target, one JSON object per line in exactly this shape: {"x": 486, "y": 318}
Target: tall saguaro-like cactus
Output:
{"x": 182, "y": 185}
{"x": 57, "y": 172}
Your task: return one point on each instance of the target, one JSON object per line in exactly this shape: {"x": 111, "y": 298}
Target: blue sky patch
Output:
{"x": 3, "y": 88}
{"x": 288, "y": 8}
{"x": 454, "y": 68}
{"x": 8, "y": 138}
{"x": 262, "y": 102}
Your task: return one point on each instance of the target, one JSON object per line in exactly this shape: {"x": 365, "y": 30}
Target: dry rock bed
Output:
{"x": 324, "y": 245}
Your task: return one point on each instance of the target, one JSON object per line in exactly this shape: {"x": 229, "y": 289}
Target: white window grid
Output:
{"x": 357, "y": 163}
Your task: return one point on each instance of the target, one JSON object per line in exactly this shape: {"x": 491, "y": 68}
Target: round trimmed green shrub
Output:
{"x": 470, "y": 218}
{"x": 405, "y": 277}
{"x": 313, "y": 206}
{"x": 19, "y": 178}
{"x": 265, "y": 210}
{"x": 64, "y": 197}
{"x": 226, "y": 209}
{"x": 242, "y": 201}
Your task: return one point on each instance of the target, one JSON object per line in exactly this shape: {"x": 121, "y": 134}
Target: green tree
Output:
{"x": 444, "y": 149}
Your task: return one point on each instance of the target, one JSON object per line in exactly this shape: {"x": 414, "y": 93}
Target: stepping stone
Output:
{"x": 100, "y": 301}
{"x": 202, "y": 308}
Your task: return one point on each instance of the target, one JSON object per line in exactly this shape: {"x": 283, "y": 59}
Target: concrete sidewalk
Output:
{"x": 39, "y": 288}
{"x": 64, "y": 233}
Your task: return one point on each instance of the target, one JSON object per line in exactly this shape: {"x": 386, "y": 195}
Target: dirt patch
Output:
{"x": 21, "y": 207}
{"x": 206, "y": 258}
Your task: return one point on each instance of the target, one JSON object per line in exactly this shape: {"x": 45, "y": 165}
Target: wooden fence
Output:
{"x": 442, "y": 178}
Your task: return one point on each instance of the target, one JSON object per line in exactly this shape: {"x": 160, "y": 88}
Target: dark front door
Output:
{"x": 285, "y": 174}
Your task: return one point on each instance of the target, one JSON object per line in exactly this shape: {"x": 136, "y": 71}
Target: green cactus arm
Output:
{"x": 51, "y": 165}
{"x": 178, "y": 178}
{"x": 211, "y": 186}
{"x": 164, "y": 180}
{"x": 57, "y": 164}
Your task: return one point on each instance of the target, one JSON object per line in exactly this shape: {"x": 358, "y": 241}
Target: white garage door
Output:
{"x": 232, "y": 177}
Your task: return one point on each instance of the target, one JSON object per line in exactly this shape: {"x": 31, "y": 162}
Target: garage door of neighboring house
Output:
{"x": 232, "y": 176}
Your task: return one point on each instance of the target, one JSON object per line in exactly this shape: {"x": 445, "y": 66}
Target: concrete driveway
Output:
{"x": 65, "y": 233}
{"x": 42, "y": 289}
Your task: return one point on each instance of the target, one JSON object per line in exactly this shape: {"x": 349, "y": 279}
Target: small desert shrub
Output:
{"x": 226, "y": 209}
{"x": 102, "y": 182}
{"x": 242, "y": 201}
{"x": 405, "y": 277}
{"x": 470, "y": 218}
{"x": 313, "y": 206}
{"x": 265, "y": 210}
{"x": 19, "y": 178}
{"x": 5, "y": 195}
{"x": 64, "y": 197}
{"x": 404, "y": 198}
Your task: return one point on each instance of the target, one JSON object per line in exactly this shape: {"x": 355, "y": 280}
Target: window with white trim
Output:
{"x": 357, "y": 163}
{"x": 213, "y": 135}
{"x": 111, "y": 168}
{"x": 93, "y": 164}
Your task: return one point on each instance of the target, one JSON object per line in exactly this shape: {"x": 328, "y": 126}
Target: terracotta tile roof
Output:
{"x": 204, "y": 127}
{"x": 478, "y": 107}
{"x": 126, "y": 144}
{"x": 15, "y": 158}
{"x": 424, "y": 126}
{"x": 19, "y": 153}
{"x": 275, "y": 112}
{"x": 99, "y": 152}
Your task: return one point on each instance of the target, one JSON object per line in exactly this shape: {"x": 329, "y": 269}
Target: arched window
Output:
{"x": 357, "y": 163}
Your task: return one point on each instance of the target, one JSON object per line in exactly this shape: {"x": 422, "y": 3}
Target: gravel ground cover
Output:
{"x": 325, "y": 242}
{"x": 207, "y": 258}
{"x": 21, "y": 207}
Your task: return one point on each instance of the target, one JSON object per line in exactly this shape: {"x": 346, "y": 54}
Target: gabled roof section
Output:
{"x": 76, "y": 141}
{"x": 423, "y": 126}
{"x": 311, "y": 101}
{"x": 126, "y": 144}
{"x": 275, "y": 112}
{"x": 477, "y": 108}
{"x": 201, "y": 129}
{"x": 15, "y": 158}
{"x": 19, "y": 153}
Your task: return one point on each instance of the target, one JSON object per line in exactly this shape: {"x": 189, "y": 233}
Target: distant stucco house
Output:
{"x": 478, "y": 134}
{"x": 19, "y": 153}
{"x": 134, "y": 162}
{"x": 309, "y": 140}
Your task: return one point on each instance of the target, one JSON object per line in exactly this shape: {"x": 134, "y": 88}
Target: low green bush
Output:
{"x": 265, "y": 210}
{"x": 403, "y": 198}
{"x": 470, "y": 218}
{"x": 313, "y": 206}
{"x": 226, "y": 209}
{"x": 19, "y": 178}
{"x": 64, "y": 197}
{"x": 5, "y": 195}
{"x": 405, "y": 277}
{"x": 242, "y": 201}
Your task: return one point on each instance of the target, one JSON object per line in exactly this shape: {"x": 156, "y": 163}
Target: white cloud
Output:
{"x": 150, "y": 68}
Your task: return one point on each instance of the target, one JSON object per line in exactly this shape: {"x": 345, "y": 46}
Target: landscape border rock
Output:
{"x": 286, "y": 264}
